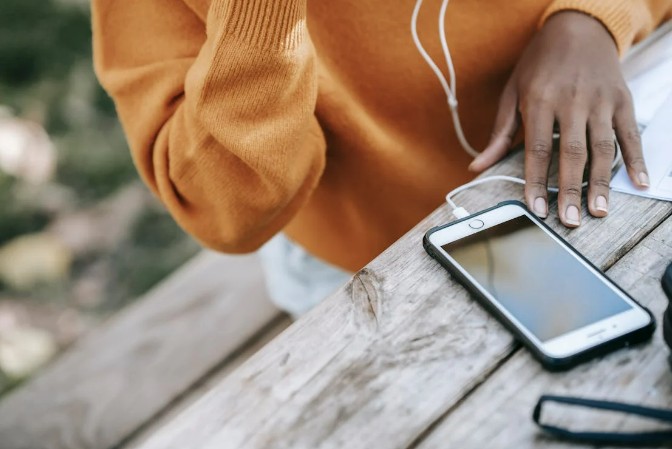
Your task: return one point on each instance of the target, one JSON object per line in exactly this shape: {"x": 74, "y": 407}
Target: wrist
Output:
{"x": 618, "y": 17}
{"x": 581, "y": 25}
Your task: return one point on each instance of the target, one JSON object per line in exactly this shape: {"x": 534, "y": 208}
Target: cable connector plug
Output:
{"x": 460, "y": 212}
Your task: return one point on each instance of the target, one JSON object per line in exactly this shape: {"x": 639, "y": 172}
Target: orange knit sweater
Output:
{"x": 247, "y": 117}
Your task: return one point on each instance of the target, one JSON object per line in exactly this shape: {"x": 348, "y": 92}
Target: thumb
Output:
{"x": 506, "y": 125}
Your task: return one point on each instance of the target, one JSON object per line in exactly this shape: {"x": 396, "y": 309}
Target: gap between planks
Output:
{"x": 130, "y": 368}
{"x": 201, "y": 387}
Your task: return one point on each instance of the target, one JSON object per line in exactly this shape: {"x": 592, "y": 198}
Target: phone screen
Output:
{"x": 545, "y": 287}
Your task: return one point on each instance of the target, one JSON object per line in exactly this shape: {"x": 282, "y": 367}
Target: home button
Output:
{"x": 476, "y": 224}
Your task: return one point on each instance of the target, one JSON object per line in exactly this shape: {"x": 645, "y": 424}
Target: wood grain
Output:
{"x": 380, "y": 361}
{"x": 128, "y": 370}
{"x": 207, "y": 383}
{"x": 498, "y": 414}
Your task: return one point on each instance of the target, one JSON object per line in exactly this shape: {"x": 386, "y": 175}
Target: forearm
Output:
{"x": 233, "y": 192}
{"x": 225, "y": 135}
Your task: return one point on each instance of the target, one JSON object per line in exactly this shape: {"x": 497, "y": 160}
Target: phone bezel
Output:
{"x": 570, "y": 343}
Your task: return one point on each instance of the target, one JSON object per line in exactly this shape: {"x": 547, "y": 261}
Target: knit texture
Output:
{"x": 248, "y": 117}
{"x": 627, "y": 20}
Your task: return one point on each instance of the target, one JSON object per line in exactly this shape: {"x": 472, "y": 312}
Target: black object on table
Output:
{"x": 667, "y": 319}
{"x": 599, "y": 437}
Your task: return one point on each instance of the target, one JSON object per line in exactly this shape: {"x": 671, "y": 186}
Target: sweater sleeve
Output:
{"x": 628, "y": 21}
{"x": 218, "y": 110}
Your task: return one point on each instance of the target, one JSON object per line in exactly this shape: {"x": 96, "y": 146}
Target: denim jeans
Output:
{"x": 296, "y": 280}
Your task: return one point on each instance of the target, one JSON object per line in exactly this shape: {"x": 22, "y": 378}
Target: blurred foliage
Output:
{"x": 17, "y": 217}
{"x": 40, "y": 39}
{"x": 46, "y": 76}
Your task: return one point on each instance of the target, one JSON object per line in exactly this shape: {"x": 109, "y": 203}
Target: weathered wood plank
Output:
{"x": 498, "y": 414}
{"x": 128, "y": 370}
{"x": 387, "y": 355}
{"x": 206, "y": 384}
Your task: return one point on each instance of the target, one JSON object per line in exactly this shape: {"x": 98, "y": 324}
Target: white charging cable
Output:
{"x": 450, "y": 88}
{"x": 461, "y": 212}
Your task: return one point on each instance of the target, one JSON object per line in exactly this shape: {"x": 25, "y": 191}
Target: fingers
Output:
{"x": 506, "y": 125}
{"x": 627, "y": 133}
{"x": 538, "y": 150}
{"x": 573, "y": 157}
{"x": 602, "y": 151}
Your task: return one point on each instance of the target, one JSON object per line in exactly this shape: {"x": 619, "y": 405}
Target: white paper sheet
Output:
{"x": 647, "y": 68}
{"x": 657, "y": 144}
{"x": 648, "y": 71}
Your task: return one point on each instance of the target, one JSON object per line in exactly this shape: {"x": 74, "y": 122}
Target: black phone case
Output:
{"x": 550, "y": 363}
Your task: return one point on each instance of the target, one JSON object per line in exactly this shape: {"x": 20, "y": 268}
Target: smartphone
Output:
{"x": 558, "y": 304}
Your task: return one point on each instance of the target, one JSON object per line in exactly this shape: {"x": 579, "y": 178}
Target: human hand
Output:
{"x": 569, "y": 74}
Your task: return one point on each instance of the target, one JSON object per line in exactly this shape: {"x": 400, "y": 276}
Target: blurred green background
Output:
{"x": 86, "y": 238}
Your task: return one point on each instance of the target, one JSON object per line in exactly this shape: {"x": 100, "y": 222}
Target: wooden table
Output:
{"x": 403, "y": 357}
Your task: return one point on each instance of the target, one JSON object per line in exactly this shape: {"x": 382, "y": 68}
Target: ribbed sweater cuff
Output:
{"x": 279, "y": 24}
{"x": 618, "y": 16}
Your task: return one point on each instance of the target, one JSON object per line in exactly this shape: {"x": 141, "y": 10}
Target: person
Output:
{"x": 319, "y": 123}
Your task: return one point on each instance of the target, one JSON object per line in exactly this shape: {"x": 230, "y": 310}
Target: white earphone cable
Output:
{"x": 449, "y": 88}
{"x": 428, "y": 59}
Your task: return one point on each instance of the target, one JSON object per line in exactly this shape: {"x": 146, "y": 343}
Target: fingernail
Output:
{"x": 643, "y": 179}
{"x": 572, "y": 216}
{"x": 540, "y": 207}
{"x": 601, "y": 203}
